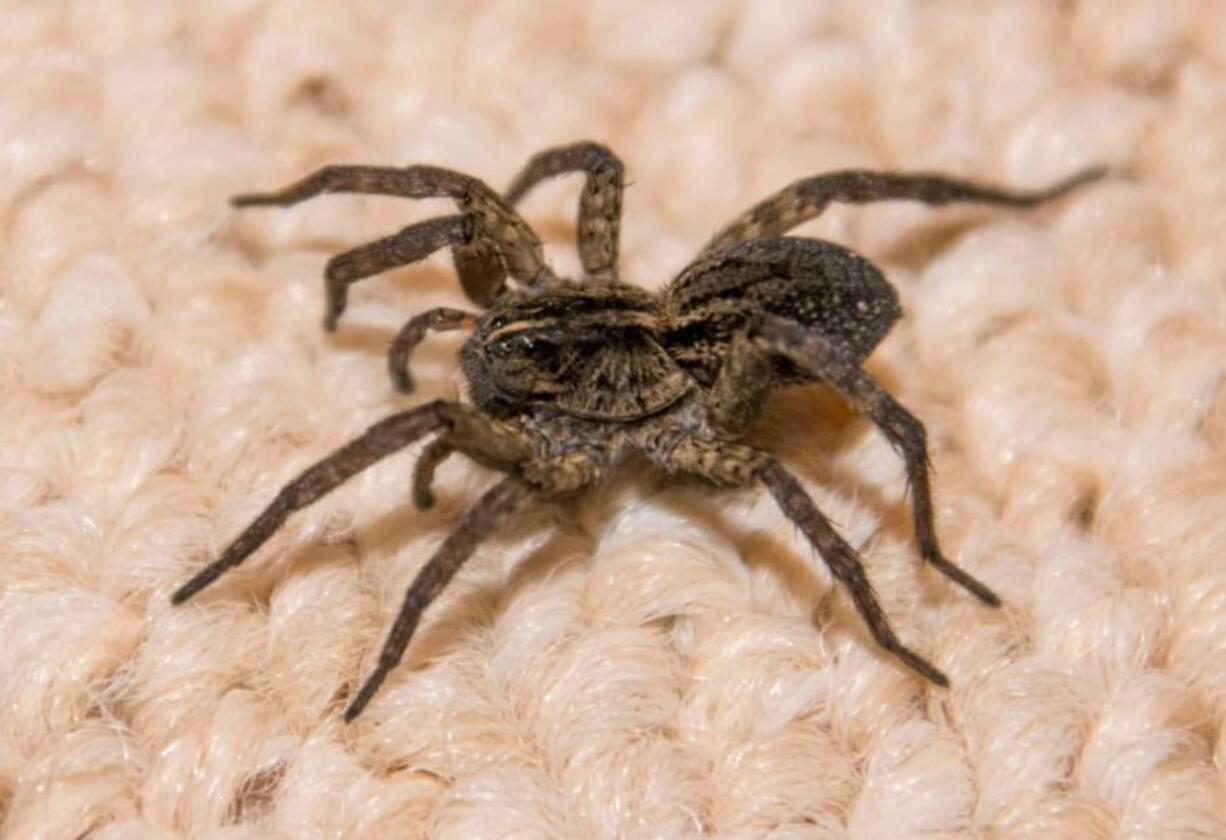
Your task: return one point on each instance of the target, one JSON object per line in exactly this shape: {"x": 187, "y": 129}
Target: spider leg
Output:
{"x": 740, "y": 388}
{"x": 730, "y": 465}
{"x": 490, "y": 443}
{"x": 499, "y": 447}
{"x": 844, "y": 564}
{"x": 822, "y": 360}
{"x": 441, "y": 319}
{"x": 380, "y": 440}
{"x": 600, "y": 203}
{"x": 416, "y": 242}
{"x": 499, "y": 241}
{"x": 486, "y": 516}
{"x": 807, "y": 198}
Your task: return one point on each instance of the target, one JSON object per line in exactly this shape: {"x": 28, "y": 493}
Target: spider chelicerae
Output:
{"x": 567, "y": 377}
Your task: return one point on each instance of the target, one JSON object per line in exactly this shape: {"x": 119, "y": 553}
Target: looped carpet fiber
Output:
{"x": 657, "y": 659}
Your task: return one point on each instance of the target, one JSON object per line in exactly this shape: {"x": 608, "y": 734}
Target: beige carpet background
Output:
{"x": 656, "y": 660}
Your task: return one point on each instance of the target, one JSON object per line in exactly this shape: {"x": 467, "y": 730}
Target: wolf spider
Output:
{"x": 568, "y": 377}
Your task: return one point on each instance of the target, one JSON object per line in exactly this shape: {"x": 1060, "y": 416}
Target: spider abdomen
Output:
{"x": 835, "y": 291}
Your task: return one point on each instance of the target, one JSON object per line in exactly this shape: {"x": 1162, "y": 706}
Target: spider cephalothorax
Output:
{"x": 567, "y": 377}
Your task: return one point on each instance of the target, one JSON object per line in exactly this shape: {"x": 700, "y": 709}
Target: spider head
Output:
{"x": 511, "y": 363}
{"x": 586, "y": 351}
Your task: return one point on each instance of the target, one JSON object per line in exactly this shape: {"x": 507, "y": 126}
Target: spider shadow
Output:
{"x": 917, "y": 248}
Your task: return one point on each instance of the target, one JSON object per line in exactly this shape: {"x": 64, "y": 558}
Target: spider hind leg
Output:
{"x": 807, "y": 198}
{"x": 821, "y": 359}
{"x": 732, "y": 465}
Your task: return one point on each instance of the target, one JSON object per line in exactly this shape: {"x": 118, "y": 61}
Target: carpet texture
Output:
{"x": 656, "y": 660}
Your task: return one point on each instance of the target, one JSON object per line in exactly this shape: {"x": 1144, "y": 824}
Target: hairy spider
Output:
{"x": 568, "y": 377}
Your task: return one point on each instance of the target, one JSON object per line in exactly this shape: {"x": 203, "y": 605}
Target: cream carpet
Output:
{"x": 656, "y": 660}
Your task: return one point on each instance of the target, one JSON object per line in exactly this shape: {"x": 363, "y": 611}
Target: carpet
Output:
{"x": 657, "y": 658}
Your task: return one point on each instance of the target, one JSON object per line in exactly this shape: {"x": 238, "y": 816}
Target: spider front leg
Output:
{"x": 495, "y": 243}
{"x": 485, "y": 517}
{"x": 380, "y": 440}
{"x": 501, "y": 448}
{"x": 809, "y": 351}
{"x": 600, "y": 203}
{"x": 553, "y": 477}
{"x": 462, "y": 428}
{"x": 490, "y": 443}
{"x": 807, "y": 198}
{"x": 730, "y": 465}
{"x": 416, "y": 242}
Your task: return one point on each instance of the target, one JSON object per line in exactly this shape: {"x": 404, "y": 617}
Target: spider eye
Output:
{"x": 516, "y": 345}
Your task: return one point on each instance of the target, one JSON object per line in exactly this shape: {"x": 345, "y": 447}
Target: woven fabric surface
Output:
{"x": 656, "y": 659}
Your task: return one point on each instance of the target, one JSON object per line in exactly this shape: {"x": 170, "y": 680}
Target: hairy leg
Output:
{"x": 380, "y": 440}
{"x": 600, "y": 203}
{"x": 491, "y": 444}
{"x": 552, "y": 477}
{"x": 807, "y": 198}
{"x": 485, "y": 517}
{"x": 844, "y": 564}
{"x": 494, "y": 445}
{"x": 442, "y": 319}
{"x": 416, "y": 242}
{"x": 779, "y": 337}
{"x": 730, "y": 465}
{"x": 499, "y": 242}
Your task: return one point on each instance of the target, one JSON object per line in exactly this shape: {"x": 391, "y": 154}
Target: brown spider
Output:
{"x": 568, "y": 377}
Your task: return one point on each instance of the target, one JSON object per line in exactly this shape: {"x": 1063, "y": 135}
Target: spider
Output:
{"x": 568, "y": 377}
